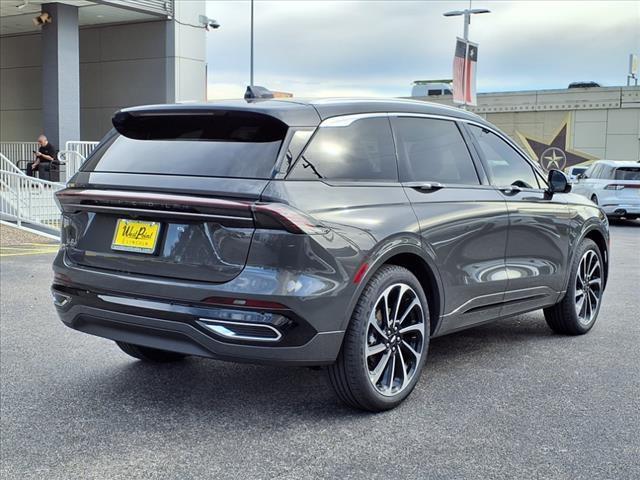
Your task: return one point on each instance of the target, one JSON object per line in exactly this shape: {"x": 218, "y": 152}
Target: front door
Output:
{"x": 538, "y": 244}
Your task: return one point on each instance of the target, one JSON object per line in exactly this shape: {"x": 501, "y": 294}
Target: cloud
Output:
{"x": 377, "y": 48}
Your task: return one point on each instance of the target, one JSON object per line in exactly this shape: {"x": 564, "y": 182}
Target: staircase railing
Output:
{"x": 82, "y": 148}
{"x": 71, "y": 161}
{"x": 18, "y": 151}
{"x": 28, "y": 200}
{"x": 7, "y": 165}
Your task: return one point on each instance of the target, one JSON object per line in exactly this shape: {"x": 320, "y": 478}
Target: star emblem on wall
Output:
{"x": 555, "y": 153}
{"x": 553, "y": 157}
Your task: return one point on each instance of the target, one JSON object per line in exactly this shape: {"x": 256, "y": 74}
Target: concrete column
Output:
{"x": 186, "y": 54}
{"x": 61, "y": 74}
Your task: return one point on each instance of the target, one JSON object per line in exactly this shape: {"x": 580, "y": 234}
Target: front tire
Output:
{"x": 577, "y": 312}
{"x": 148, "y": 354}
{"x": 386, "y": 343}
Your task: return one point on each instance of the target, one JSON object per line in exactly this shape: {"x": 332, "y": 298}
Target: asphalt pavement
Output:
{"x": 505, "y": 400}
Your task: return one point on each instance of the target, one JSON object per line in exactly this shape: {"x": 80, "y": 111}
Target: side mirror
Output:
{"x": 580, "y": 176}
{"x": 558, "y": 182}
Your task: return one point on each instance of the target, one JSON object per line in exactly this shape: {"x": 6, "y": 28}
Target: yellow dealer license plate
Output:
{"x": 136, "y": 236}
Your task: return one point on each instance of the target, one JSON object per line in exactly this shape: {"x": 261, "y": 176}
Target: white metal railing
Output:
{"x": 18, "y": 152}
{"x": 29, "y": 200}
{"x": 82, "y": 148}
{"x": 7, "y": 165}
{"x": 71, "y": 161}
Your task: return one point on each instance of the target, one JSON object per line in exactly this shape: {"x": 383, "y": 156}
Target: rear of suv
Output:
{"x": 336, "y": 233}
{"x": 614, "y": 185}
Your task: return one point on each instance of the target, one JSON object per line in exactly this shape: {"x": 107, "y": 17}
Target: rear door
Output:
{"x": 170, "y": 195}
{"x": 539, "y": 224}
{"x": 463, "y": 220}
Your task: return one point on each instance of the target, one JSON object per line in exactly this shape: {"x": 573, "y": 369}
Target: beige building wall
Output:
{"x": 602, "y": 123}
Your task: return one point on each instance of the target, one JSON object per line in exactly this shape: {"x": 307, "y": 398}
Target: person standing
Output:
{"x": 45, "y": 156}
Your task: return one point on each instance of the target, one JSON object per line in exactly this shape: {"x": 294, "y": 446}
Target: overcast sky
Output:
{"x": 377, "y": 48}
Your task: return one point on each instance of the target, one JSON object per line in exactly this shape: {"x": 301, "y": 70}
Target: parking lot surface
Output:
{"x": 505, "y": 400}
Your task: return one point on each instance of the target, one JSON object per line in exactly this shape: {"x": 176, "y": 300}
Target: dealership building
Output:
{"x": 561, "y": 128}
{"x": 67, "y": 77}
{"x": 87, "y": 59}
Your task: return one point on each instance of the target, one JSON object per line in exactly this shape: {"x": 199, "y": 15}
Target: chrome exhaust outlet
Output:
{"x": 60, "y": 299}
{"x": 251, "y": 332}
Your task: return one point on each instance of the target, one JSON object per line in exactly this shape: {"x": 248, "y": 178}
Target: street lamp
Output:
{"x": 467, "y": 17}
{"x": 251, "y": 54}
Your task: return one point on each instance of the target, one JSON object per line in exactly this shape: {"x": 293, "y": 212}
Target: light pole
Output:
{"x": 251, "y": 54}
{"x": 467, "y": 17}
{"x": 467, "y": 21}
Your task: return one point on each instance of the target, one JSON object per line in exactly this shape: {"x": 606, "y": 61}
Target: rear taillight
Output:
{"x": 614, "y": 186}
{"x": 283, "y": 217}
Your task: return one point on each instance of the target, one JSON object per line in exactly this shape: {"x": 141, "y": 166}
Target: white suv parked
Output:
{"x": 614, "y": 186}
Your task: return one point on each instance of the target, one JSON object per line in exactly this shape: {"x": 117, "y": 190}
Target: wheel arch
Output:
{"x": 413, "y": 258}
{"x": 599, "y": 239}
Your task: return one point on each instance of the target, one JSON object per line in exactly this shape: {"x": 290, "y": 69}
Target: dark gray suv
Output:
{"x": 344, "y": 233}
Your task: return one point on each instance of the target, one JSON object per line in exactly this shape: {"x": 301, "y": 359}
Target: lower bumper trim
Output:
{"x": 184, "y": 338}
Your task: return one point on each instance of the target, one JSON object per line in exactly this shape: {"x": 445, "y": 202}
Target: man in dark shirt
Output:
{"x": 45, "y": 156}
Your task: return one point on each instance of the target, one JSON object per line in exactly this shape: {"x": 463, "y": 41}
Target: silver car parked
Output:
{"x": 613, "y": 185}
{"x": 341, "y": 233}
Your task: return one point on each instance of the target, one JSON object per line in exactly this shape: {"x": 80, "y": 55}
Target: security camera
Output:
{"x": 42, "y": 19}
{"x": 208, "y": 23}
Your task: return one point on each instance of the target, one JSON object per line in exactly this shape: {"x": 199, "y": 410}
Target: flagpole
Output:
{"x": 467, "y": 21}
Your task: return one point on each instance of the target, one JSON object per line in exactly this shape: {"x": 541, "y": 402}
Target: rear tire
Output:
{"x": 147, "y": 354}
{"x": 577, "y": 312}
{"x": 383, "y": 354}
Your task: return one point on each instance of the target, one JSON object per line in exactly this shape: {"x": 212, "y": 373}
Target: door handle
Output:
{"x": 510, "y": 189}
{"x": 424, "y": 186}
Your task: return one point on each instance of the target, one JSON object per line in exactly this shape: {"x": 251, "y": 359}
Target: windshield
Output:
{"x": 222, "y": 144}
{"x": 628, "y": 173}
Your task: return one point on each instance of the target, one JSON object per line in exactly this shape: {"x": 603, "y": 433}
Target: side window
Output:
{"x": 505, "y": 165}
{"x": 595, "y": 171}
{"x": 433, "y": 150}
{"x": 607, "y": 172}
{"x": 362, "y": 150}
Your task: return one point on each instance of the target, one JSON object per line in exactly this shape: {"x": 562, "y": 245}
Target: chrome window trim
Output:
{"x": 348, "y": 119}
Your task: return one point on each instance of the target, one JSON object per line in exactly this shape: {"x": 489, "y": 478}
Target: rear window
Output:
{"x": 627, "y": 173}
{"x": 215, "y": 144}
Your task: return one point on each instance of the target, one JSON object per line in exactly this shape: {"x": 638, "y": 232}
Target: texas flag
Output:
{"x": 464, "y": 72}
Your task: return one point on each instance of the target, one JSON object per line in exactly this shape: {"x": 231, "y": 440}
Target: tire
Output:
{"x": 569, "y": 316}
{"x": 357, "y": 376}
{"x": 147, "y": 354}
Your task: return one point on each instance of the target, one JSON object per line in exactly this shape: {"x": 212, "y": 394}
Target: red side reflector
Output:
{"x": 360, "y": 273}
{"x": 242, "y": 302}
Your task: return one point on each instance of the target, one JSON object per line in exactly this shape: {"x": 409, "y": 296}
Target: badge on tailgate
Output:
{"x": 135, "y": 236}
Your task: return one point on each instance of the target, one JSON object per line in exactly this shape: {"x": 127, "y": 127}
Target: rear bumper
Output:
{"x": 621, "y": 209}
{"x": 168, "y": 314}
{"x": 177, "y": 332}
